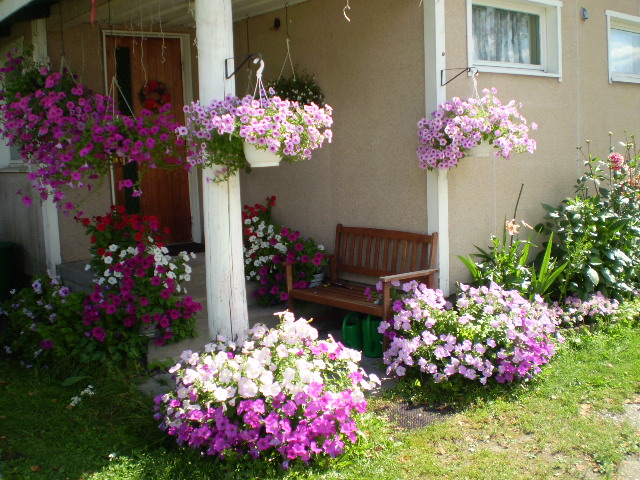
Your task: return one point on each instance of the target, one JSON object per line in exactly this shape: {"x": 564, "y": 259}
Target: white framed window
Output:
{"x": 10, "y": 159}
{"x": 521, "y": 37}
{"x": 623, "y": 39}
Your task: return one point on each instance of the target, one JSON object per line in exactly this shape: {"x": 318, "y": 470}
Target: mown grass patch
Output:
{"x": 563, "y": 424}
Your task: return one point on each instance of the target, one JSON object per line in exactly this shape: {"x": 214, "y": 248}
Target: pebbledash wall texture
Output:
{"x": 372, "y": 72}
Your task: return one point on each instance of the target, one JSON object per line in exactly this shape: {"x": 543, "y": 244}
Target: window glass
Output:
{"x": 506, "y": 36}
{"x": 625, "y": 52}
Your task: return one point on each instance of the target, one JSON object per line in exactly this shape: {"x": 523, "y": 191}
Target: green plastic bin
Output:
{"x": 6, "y": 269}
{"x": 371, "y": 339}
{"x": 352, "y": 331}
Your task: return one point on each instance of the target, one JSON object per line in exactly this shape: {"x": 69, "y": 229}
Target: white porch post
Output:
{"x": 50, "y": 226}
{"x": 435, "y": 94}
{"x": 226, "y": 294}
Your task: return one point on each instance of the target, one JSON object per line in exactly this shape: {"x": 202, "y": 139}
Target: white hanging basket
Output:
{"x": 260, "y": 158}
{"x": 483, "y": 149}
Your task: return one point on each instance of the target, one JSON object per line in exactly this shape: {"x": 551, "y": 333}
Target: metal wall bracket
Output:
{"x": 473, "y": 70}
{"x": 246, "y": 59}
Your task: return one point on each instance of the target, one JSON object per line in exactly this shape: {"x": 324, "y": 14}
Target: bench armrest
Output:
{"x": 410, "y": 276}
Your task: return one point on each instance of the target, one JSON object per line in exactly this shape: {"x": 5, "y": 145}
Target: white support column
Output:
{"x": 435, "y": 94}
{"x": 226, "y": 293}
{"x": 50, "y": 226}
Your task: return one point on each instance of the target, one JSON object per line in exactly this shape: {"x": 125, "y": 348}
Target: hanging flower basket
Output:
{"x": 216, "y": 133}
{"x": 483, "y": 149}
{"x": 459, "y": 126}
{"x": 260, "y": 158}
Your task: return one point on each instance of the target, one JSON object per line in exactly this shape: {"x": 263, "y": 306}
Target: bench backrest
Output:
{"x": 376, "y": 252}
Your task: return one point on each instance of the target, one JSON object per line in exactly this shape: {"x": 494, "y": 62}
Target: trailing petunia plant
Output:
{"x": 267, "y": 246}
{"x": 138, "y": 287}
{"x": 70, "y": 136}
{"x": 281, "y": 394}
{"x": 215, "y": 133}
{"x": 40, "y": 322}
{"x": 492, "y": 335}
{"x": 459, "y": 125}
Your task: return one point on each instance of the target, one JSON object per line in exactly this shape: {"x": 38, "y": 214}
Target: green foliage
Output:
{"x": 507, "y": 264}
{"x": 598, "y": 230}
{"x": 300, "y": 87}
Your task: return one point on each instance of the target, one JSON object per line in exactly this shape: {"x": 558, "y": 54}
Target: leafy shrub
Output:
{"x": 492, "y": 334}
{"x": 598, "y": 230}
{"x": 267, "y": 245}
{"x": 40, "y": 322}
{"x": 282, "y": 393}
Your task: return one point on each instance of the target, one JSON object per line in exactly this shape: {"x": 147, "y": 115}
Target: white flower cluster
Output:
{"x": 161, "y": 257}
{"x": 284, "y": 360}
{"x": 89, "y": 391}
{"x": 259, "y": 240}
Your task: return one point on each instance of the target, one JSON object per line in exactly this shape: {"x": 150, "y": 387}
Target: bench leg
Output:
{"x": 290, "y": 304}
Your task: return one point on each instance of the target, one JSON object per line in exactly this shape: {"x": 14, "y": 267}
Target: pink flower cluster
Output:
{"x": 69, "y": 135}
{"x": 459, "y": 125}
{"x": 285, "y": 128}
{"x": 492, "y": 333}
{"x": 281, "y": 393}
{"x": 574, "y": 311}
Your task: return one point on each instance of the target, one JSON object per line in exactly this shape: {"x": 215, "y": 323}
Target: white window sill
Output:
{"x": 517, "y": 71}
{"x": 624, "y": 77}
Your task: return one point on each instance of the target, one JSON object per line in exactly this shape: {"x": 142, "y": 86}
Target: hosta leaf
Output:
{"x": 592, "y": 275}
{"x": 607, "y": 275}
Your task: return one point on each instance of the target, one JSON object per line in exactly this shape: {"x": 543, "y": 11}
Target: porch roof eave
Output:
{"x": 12, "y": 11}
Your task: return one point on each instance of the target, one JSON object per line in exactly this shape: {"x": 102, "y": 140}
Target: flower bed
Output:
{"x": 138, "y": 285}
{"x": 267, "y": 245}
{"x": 281, "y": 393}
{"x": 493, "y": 334}
{"x": 459, "y": 125}
{"x": 574, "y": 312}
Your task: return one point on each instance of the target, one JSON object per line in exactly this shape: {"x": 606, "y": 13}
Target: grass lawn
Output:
{"x": 565, "y": 424}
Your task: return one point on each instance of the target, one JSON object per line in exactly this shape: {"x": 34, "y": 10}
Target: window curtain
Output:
{"x": 506, "y": 36}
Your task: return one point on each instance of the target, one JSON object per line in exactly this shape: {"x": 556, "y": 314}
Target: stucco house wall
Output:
{"x": 582, "y": 106}
{"x": 371, "y": 71}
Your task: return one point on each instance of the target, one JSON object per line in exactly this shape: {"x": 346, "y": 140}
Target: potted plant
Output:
{"x": 226, "y": 132}
{"x": 300, "y": 87}
{"x": 459, "y": 126}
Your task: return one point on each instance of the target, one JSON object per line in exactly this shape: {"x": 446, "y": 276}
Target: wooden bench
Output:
{"x": 378, "y": 255}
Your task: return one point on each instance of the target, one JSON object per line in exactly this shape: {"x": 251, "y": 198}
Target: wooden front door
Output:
{"x": 135, "y": 68}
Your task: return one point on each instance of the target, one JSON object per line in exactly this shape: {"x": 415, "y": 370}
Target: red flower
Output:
{"x": 86, "y": 221}
{"x": 121, "y": 209}
{"x": 153, "y": 85}
{"x": 150, "y": 104}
